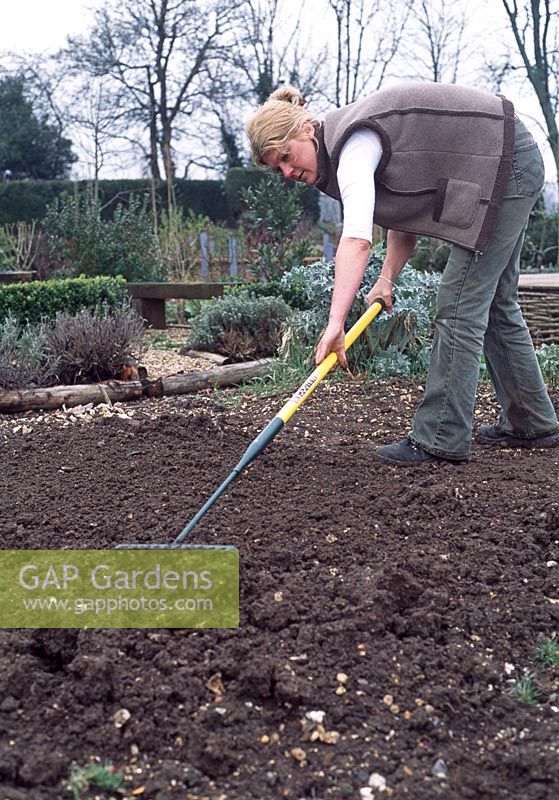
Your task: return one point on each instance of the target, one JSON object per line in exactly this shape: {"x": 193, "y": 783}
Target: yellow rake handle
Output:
{"x": 310, "y": 384}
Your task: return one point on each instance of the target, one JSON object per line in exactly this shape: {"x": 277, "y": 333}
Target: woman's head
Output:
{"x": 282, "y": 136}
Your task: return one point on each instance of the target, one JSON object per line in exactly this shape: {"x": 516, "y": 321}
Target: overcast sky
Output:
{"x": 39, "y": 25}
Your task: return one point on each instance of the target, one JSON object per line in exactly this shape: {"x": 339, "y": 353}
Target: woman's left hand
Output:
{"x": 332, "y": 341}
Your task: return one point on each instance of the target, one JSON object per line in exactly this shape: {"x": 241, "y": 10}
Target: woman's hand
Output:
{"x": 332, "y": 341}
{"x": 399, "y": 248}
{"x": 383, "y": 290}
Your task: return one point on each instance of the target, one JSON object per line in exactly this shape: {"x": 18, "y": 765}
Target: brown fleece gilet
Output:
{"x": 447, "y": 154}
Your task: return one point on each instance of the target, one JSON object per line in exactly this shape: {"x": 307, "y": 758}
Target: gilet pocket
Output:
{"x": 456, "y": 202}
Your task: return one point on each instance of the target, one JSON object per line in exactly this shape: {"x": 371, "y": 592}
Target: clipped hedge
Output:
{"x": 38, "y": 300}
{"x": 24, "y": 201}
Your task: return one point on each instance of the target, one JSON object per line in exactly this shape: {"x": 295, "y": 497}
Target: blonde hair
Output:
{"x": 277, "y": 121}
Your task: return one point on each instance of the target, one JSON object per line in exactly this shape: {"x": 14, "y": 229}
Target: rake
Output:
{"x": 266, "y": 435}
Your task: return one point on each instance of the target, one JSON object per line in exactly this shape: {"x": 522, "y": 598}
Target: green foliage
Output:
{"x": 395, "y": 341}
{"x": 24, "y": 201}
{"x": 81, "y": 242}
{"x": 288, "y": 292}
{"x": 203, "y": 197}
{"x": 29, "y": 146}
{"x": 37, "y": 300}
{"x": 100, "y": 776}
{"x": 273, "y": 226}
{"x": 547, "y": 653}
{"x": 430, "y": 255}
{"x": 240, "y": 178}
{"x": 237, "y": 181}
{"x": 548, "y": 359}
{"x": 93, "y": 345}
{"x": 526, "y": 691}
{"x": 24, "y": 358}
{"x": 541, "y": 243}
{"x": 240, "y": 326}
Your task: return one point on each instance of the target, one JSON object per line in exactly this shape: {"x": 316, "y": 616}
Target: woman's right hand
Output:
{"x": 383, "y": 290}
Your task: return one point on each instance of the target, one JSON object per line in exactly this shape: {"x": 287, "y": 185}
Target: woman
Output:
{"x": 438, "y": 160}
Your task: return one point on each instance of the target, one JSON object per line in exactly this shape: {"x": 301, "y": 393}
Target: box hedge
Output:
{"x": 24, "y": 201}
{"x": 38, "y": 300}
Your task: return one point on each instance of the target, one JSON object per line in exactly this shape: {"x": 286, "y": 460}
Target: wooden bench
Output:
{"x": 150, "y": 298}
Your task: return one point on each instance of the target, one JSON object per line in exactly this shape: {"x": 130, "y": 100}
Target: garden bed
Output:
{"x": 402, "y": 604}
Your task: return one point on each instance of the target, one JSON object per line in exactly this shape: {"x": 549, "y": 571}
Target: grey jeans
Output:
{"x": 477, "y": 310}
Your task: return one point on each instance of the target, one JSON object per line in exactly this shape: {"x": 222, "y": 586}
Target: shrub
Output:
{"x": 25, "y": 201}
{"x": 80, "y": 242}
{"x": 240, "y": 326}
{"x": 92, "y": 345}
{"x": 288, "y": 292}
{"x": 406, "y": 330}
{"x": 24, "y": 360}
{"x": 240, "y": 178}
{"x": 203, "y": 197}
{"x": 430, "y": 255}
{"x": 37, "y": 300}
{"x": 273, "y": 228}
{"x": 540, "y": 250}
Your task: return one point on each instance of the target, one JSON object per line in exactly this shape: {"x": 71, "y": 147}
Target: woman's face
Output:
{"x": 299, "y": 163}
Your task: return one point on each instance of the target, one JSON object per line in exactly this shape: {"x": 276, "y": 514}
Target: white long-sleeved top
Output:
{"x": 359, "y": 159}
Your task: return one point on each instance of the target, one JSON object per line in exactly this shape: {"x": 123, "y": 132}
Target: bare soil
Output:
{"x": 401, "y": 603}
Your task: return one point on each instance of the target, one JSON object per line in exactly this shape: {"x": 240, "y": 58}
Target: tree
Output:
{"x": 30, "y": 146}
{"x": 266, "y": 51}
{"x": 436, "y": 39}
{"x": 269, "y": 52}
{"x": 158, "y": 52}
{"x": 535, "y": 27}
{"x": 368, "y": 38}
{"x": 97, "y": 118}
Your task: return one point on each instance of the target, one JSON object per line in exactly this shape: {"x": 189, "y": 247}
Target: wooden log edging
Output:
{"x": 22, "y": 400}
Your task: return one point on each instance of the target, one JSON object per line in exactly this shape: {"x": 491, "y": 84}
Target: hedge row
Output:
{"x": 37, "y": 300}
{"x": 24, "y": 201}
